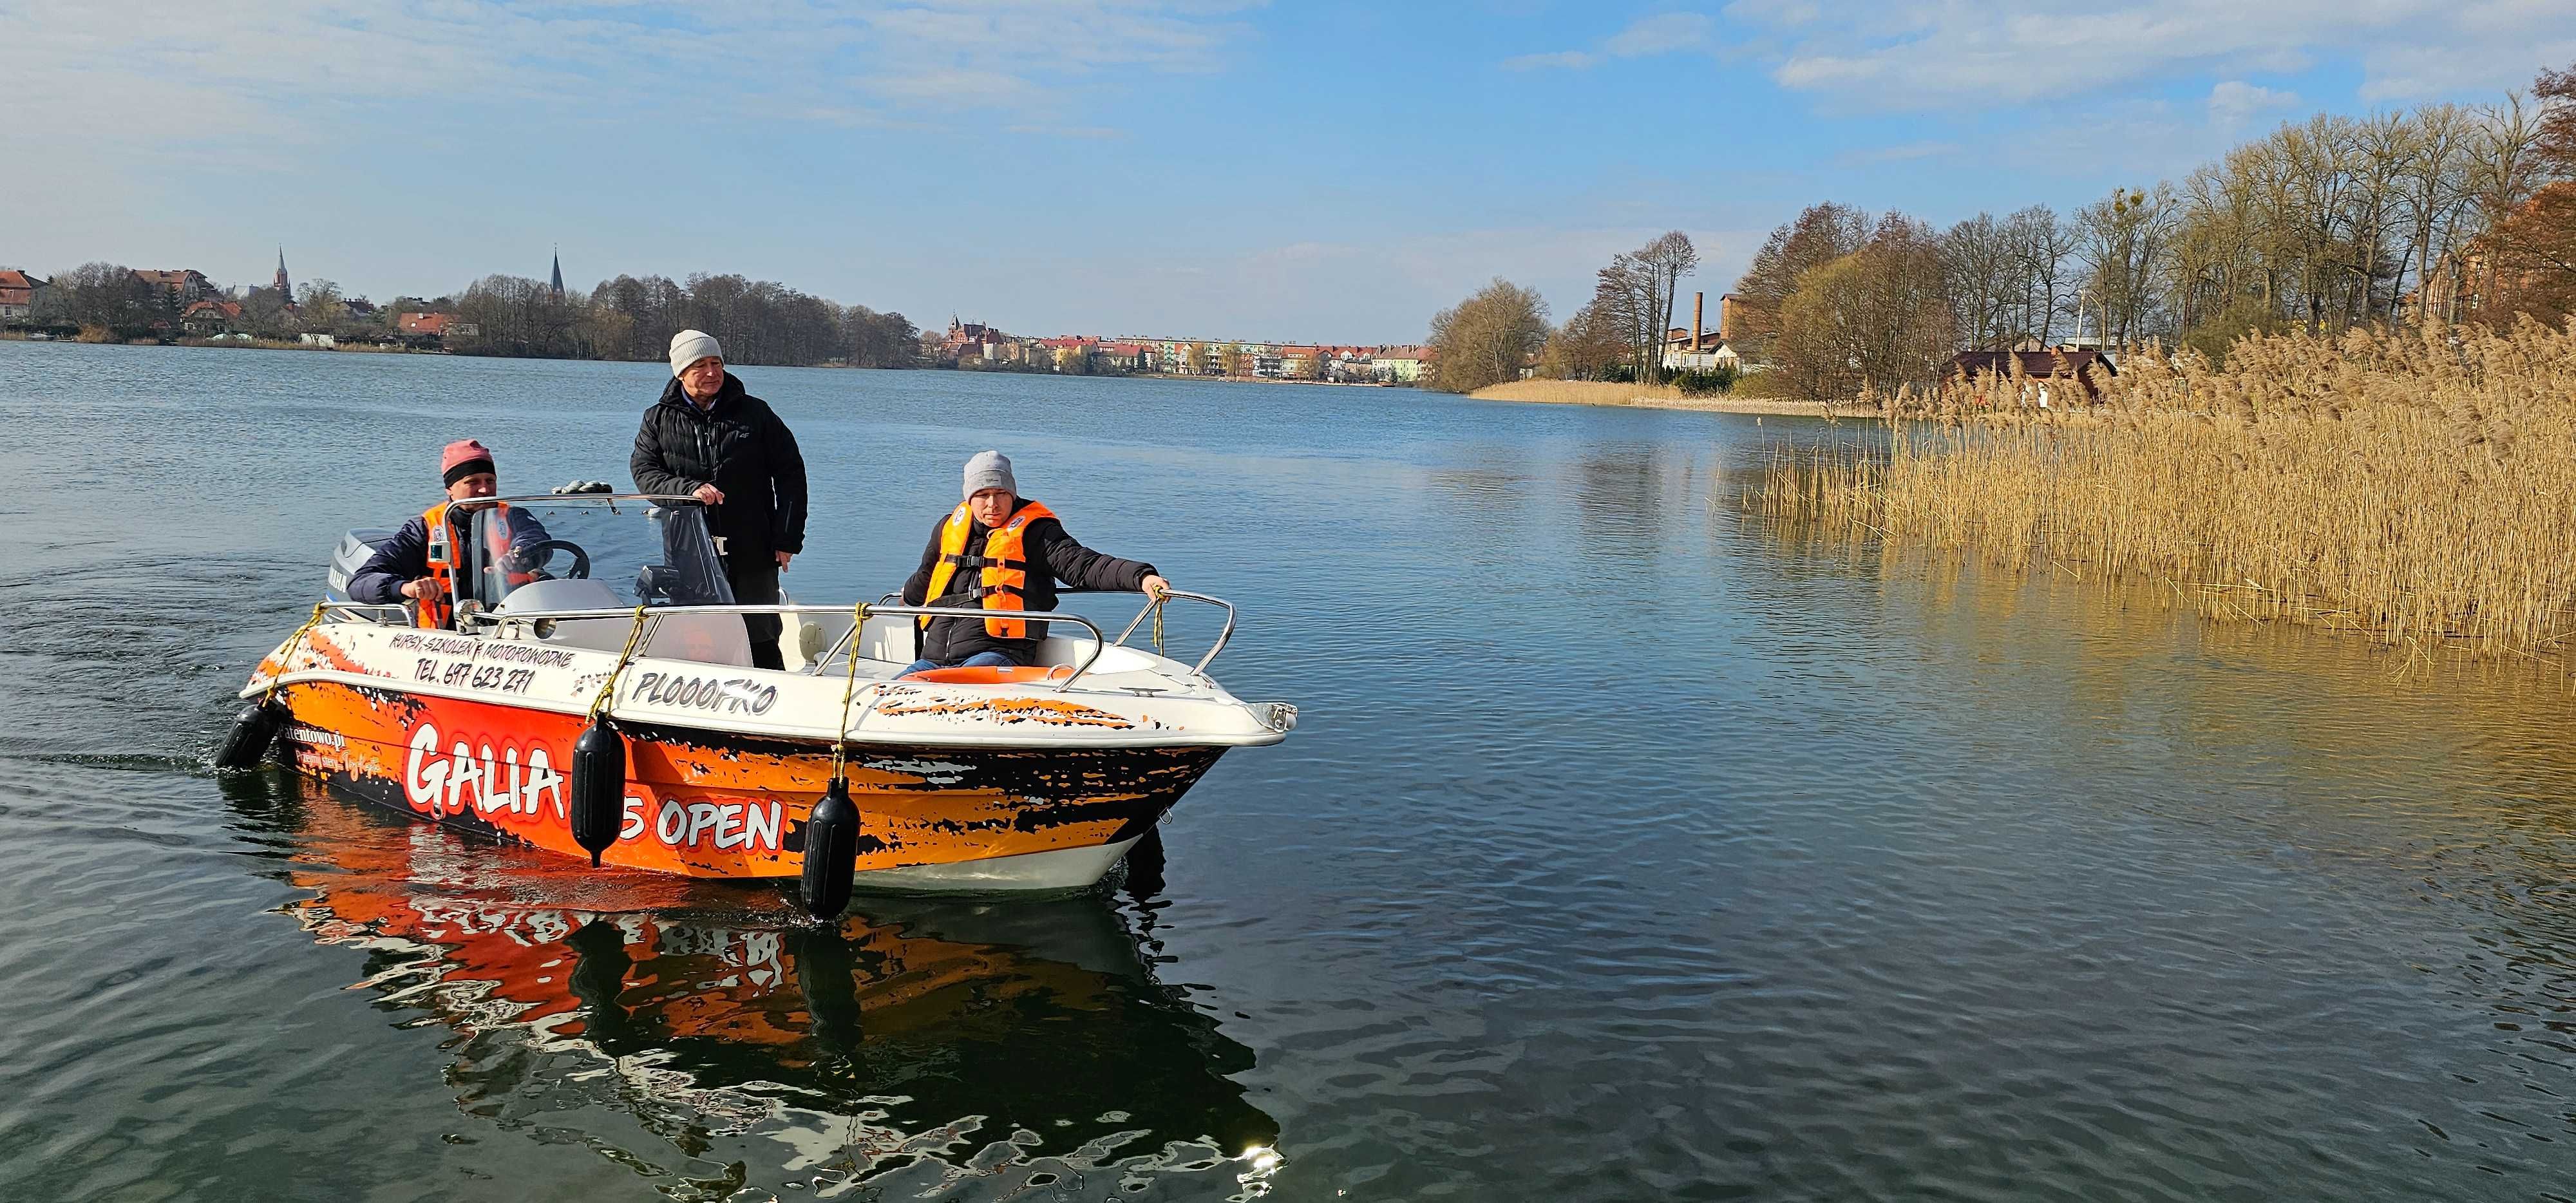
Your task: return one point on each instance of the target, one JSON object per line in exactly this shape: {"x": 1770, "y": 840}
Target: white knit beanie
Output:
{"x": 990, "y": 470}
{"x": 690, "y": 346}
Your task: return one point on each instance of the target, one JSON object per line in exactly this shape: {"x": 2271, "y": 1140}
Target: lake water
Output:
{"x": 1627, "y": 850}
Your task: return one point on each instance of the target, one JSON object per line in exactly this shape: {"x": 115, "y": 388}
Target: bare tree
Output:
{"x": 1487, "y": 337}
{"x": 322, "y": 305}
{"x": 1819, "y": 235}
{"x": 2435, "y": 187}
{"x": 102, "y": 299}
{"x": 2383, "y": 143}
{"x": 2509, "y": 153}
{"x": 1591, "y": 345}
{"x": 2124, "y": 244}
{"x": 1878, "y": 317}
{"x": 1982, "y": 265}
{"x": 1662, "y": 263}
{"x": 1623, "y": 302}
{"x": 2043, "y": 244}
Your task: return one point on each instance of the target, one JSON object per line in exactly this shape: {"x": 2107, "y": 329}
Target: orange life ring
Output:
{"x": 1010, "y": 675}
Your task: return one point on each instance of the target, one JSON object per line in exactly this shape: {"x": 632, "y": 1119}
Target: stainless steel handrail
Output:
{"x": 379, "y": 607}
{"x": 1223, "y": 636}
{"x": 1199, "y": 669}
{"x": 655, "y": 615}
{"x": 479, "y": 503}
{"x": 851, "y": 640}
{"x": 848, "y": 644}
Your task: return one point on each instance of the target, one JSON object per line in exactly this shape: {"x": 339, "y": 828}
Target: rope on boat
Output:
{"x": 608, "y": 688}
{"x": 832, "y": 827}
{"x": 849, "y": 689}
{"x": 255, "y": 729}
{"x": 1158, "y": 626}
{"x": 286, "y": 658}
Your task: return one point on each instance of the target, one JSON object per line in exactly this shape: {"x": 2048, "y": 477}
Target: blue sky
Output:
{"x": 1216, "y": 168}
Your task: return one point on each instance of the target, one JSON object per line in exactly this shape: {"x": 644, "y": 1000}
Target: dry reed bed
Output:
{"x": 2419, "y": 486}
{"x": 1576, "y": 392}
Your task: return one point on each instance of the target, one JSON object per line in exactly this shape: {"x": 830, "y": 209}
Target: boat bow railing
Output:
{"x": 847, "y": 644}
{"x": 653, "y": 616}
{"x": 1224, "y": 634}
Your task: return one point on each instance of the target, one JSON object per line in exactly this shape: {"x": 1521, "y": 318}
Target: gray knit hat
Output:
{"x": 989, "y": 470}
{"x": 690, "y": 346}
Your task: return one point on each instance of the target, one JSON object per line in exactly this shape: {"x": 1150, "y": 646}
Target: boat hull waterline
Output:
{"x": 958, "y": 787}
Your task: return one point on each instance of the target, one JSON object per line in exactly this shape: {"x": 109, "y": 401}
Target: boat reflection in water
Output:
{"x": 960, "y": 1047}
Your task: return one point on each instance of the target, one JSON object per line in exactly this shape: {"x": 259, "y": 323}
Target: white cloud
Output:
{"x": 1782, "y": 13}
{"x": 1663, "y": 33}
{"x": 1575, "y": 60}
{"x": 2236, "y": 102}
{"x": 103, "y": 77}
{"x": 1945, "y": 54}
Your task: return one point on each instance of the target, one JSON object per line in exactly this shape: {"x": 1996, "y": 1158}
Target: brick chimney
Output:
{"x": 1699, "y": 308}
{"x": 1725, "y": 316}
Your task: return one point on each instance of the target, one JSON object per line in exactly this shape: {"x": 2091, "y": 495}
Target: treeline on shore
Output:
{"x": 625, "y": 318}
{"x": 2443, "y": 213}
{"x": 629, "y": 317}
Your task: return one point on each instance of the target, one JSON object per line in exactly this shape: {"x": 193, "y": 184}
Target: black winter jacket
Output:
{"x": 400, "y": 560}
{"x": 741, "y": 448}
{"x": 1053, "y": 556}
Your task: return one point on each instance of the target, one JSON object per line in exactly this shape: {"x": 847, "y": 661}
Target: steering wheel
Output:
{"x": 527, "y": 554}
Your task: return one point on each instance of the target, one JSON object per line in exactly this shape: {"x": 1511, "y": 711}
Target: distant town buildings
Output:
{"x": 1700, "y": 349}
{"x": 177, "y": 288}
{"x": 2067, "y": 366}
{"x": 209, "y": 317}
{"x": 1401, "y": 365}
{"x": 974, "y": 345}
{"x": 17, "y": 294}
{"x": 175, "y": 303}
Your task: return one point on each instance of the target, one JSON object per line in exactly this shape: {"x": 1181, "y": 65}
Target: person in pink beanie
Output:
{"x": 415, "y": 568}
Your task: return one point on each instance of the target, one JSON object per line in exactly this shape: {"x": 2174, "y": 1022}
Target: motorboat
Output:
{"x": 595, "y": 696}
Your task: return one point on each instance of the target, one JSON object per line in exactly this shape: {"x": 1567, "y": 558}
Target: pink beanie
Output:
{"x": 463, "y": 458}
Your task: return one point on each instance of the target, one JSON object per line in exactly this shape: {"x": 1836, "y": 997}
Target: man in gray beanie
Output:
{"x": 1003, "y": 553}
{"x": 707, "y": 438}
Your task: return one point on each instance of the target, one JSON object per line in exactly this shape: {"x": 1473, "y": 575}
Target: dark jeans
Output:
{"x": 755, "y": 583}
{"x": 978, "y": 660}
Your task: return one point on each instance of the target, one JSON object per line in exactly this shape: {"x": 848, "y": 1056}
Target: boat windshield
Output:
{"x": 642, "y": 552}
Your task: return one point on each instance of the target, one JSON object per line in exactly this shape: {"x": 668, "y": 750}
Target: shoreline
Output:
{"x": 1641, "y": 396}
{"x": 264, "y": 344}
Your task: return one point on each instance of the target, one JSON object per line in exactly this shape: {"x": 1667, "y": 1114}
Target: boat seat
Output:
{"x": 990, "y": 675}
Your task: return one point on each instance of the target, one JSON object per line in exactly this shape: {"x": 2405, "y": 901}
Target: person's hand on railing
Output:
{"x": 1156, "y": 587}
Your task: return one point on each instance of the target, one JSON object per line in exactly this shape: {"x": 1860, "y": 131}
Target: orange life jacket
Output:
{"x": 438, "y": 611}
{"x": 1004, "y": 565}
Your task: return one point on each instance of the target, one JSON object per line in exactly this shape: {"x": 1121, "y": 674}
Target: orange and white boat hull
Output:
{"x": 713, "y": 804}
{"x": 958, "y": 786}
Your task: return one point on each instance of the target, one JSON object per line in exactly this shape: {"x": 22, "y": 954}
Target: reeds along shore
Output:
{"x": 2417, "y": 485}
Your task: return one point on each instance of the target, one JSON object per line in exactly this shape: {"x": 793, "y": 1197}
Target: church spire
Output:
{"x": 281, "y": 284}
{"x": 558, "y": 278}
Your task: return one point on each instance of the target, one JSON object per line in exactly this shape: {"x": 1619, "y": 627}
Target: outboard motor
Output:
{"x": 598, "y": 788}
{"x": 831, "y": 851}
{"x": 254, "y": 729}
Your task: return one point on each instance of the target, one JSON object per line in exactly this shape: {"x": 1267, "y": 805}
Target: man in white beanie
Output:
{"x": 707, "y": 438}
{"x": 1003, "y": 553}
